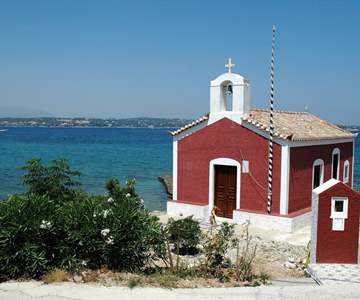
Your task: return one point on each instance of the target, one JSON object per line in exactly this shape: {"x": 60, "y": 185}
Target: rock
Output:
{"x": 291, "y": 259}
{"x": 290, "y": 265}
{"x": 78, "y": 279}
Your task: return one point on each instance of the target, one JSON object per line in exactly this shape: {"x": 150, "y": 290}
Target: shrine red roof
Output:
{"x": 294, "y": 126}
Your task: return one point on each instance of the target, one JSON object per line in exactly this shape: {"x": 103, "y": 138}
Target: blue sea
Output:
{"x": 100, "y": 154}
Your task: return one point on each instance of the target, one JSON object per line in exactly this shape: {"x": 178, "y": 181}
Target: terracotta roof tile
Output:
{"x": 295, "y": 126}
{"x": 194, "y": 123}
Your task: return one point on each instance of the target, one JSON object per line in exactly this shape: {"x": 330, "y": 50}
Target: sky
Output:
{"x": 156, "y": 58}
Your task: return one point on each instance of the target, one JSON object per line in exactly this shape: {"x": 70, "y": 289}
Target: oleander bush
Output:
{"x": 114, "y": 231}
{"x": 28, "y": 236}
{"x": 42, "y": 230}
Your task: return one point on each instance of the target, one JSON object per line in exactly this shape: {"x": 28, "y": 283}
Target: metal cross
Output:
{"x": 229, "y": 65}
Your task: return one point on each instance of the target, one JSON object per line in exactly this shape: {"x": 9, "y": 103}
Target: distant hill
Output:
{"x": 93, "y": 122}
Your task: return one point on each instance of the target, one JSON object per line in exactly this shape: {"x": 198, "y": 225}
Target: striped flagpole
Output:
{"x": 271, "y": 128}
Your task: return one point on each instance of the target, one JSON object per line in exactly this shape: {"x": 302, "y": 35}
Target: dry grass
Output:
{"x": 56, "y": 275}
{"x": 168, "y": 281}
{"x": 134, "y": 281}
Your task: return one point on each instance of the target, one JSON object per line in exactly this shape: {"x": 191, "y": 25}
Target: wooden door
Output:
{"x": 225, "y": 191}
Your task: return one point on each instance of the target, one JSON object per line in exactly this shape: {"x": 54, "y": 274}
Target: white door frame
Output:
{"x": 223, "y": 161}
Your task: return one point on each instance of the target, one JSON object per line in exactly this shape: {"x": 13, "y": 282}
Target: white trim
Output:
{"x": 326, "y": 185}
{"x": 318, "y": 162}
{"x": 338, "y": 218}
{"x": 320, "y": 142}
{"x": 174, "y": 208}
{"x": 264, "y": 133}
{"x": 314, "y": 225}
{"x": 284, "y": 185}
{"x": 271, "y": 222}
{"x": 190, "y": 131}
{"x": 222, "y": 161}
{"x": 175, "y": 169}
{"x": 335, "y": 151}
{"x": 346, "y": 175}
{"x": 343, "y": 214}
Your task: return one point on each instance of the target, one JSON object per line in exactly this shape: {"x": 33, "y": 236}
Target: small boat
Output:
{"x": 2, "y": 130}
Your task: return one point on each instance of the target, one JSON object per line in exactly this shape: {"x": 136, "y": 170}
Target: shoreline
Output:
{"x": 166, "y": 181}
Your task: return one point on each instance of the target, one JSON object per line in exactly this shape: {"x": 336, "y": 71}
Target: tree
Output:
{"x": 56, "y": 181}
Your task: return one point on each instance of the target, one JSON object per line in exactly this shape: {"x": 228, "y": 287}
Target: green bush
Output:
{"x": 117, "y": 232}
{"x": 28, "y": 236}
{"x": 57, "y": 181}
{"x": 217, "y": 244}
{"x": 41, "y": 231}
{"x": 185, "y": 234}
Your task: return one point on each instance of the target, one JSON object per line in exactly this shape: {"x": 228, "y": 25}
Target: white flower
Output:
{"x": 110, "y": 200}
{"x": 127, "y": 195}
{"x": 81, "y": 243}
{"x": 106, "y": 212}
{"x": 110, "y": 240}
{"x": 45, "y": 224}
{"x": 94, "y": 215}
{"x": 105, "y": 232}
{"x": 84, "y": 263}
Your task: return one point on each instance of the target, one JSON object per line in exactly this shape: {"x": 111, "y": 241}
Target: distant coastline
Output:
{"x": 94, "y": 122}
{"x": 138, "y": 122}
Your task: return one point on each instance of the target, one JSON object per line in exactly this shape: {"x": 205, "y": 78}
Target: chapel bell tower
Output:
{"x": 229, "y": 96}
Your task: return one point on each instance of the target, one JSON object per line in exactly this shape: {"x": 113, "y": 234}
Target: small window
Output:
{"x": 346, "y": 171}
{"x": 335, "y": 163}
{"x": 318, "y": 173}
{"x": 339, "y": 212}
{"x": 339, "y": 206}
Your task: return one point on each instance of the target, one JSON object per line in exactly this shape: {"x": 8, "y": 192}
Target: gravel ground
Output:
{"x": 278, "y": 254}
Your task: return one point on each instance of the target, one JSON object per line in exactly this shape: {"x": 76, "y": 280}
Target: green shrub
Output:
{"x": 39, "y": 233}
{"x": 185, "y": 234}
{"x": 117, "y": 232}
{"x": 217, "y": 244}
{"x": 28, "y": 236}
{"x": 55, "y": 181}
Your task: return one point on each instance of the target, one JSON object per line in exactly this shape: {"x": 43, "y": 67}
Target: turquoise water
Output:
{"x": 99, "y": 153}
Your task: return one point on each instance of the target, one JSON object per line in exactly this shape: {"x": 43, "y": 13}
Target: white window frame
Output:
{"x": 346, "y": 175}
{"x": 335, "y": 151}
{"x": 339, "y": 215}
{"x": 338, "y": 218}
{"x": 318, "y": 162}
